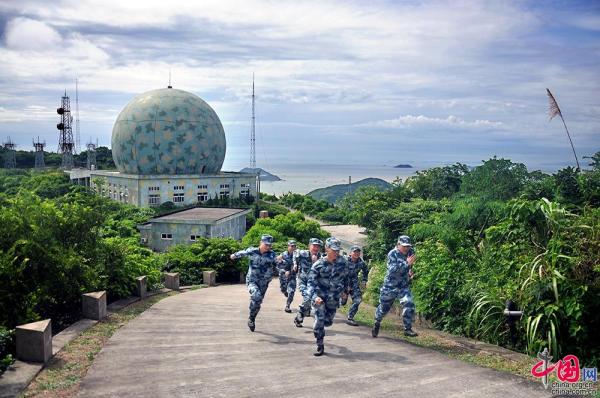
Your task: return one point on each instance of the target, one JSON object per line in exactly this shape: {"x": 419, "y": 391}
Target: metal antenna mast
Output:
{"x": 65, "y": 139}
{"x": 253, "y": 132}
{"x": 91, "y": 155}
{"x": 10, "y": 158}
{"x": 39, "y": 153}
{"x": 77, "y": 134}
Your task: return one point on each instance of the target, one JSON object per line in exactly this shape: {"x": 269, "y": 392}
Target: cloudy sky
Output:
{"x": 340, "y": 82}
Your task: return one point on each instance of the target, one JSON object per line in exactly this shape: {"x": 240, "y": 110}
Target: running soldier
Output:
{"x": 287, "y": 275}
{"x": 260, "y": 273}
{"x": 303, "y": 260}
{"x": 396, "y": 286}
{"x": 355, "y": 265}
{"x": 327, "y": 280}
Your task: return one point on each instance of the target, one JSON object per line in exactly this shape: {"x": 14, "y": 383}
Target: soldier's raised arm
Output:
{"x": 242, "y": 253}
{"x": 395, "y": 263}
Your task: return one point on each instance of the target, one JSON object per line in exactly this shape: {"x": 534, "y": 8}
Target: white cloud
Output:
{"x": 421, "y": 120}
{"x": 28, "y": 34}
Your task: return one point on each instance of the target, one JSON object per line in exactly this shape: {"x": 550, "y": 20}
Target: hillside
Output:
{"x": 264, "y": 175}
{"x": 335, "y": 192}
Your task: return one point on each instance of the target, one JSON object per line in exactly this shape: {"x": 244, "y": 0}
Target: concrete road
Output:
{"x": 197, "y": 344}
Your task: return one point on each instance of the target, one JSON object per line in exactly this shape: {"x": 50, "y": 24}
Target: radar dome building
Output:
{"x": 169, "y": 146}
{"x": 168, "y": 131}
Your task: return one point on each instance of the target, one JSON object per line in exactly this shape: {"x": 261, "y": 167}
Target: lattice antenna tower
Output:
{"x": 77, "y": 133}
{"x": 10, "y": 158}
{"x": 65, "y": 139}
{"x": 253, "y": 132}
{"x": 91, "y": 155}
{"x": 39, "y": 153}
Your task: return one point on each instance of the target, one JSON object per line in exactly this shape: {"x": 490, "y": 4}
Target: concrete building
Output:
{"x": 168, "y": 146}
{"x": 186, "y": 226}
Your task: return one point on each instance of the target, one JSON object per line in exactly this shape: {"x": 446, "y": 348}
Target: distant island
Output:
{"x": 403, "y": 166}
{"x": 335, "y": 192}
{"x": 264, "y": 175}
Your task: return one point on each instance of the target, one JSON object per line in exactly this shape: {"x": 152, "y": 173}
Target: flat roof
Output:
{"x": 206, "y": 214}
{"x": 221, "y": 174}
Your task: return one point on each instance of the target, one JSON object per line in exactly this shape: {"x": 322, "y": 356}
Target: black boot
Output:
{"x": 320, "y": 350}
{"x": 375, "y": 330}
{"x": 285, "y": 293}
{"x": 287, "y": 309}
{"x": 351, "y": 322}
{"x": 298, "y": 321}
{"x": 410, "y": 333}
{"x": 251, "y": 324}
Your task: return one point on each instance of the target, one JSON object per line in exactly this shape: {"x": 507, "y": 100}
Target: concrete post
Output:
{"x": 172, "y": 280}
{"x": 140, "y": 286}
{"x": 209, "y": 278}
{"x": 34, "y": 341}
{"x": 94, "y": 305}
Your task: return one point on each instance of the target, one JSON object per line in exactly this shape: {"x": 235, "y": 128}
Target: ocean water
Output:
{"x": 307, "y": 177}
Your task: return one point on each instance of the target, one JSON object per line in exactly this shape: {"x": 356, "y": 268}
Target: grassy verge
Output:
{"x": 61, "y": 377}
{"x": 432, "y": 339}
{"x": 427, "y": 338}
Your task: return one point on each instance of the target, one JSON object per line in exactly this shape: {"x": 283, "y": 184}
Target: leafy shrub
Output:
{"x": 122, "y": 261}
{"x": 284, "y": 227}
{"x": 6, "y": 347}
{"x": 204, "y": 254}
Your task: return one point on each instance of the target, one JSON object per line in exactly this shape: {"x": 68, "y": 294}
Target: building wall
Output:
{"x": 137, "y": 190}
{"x": 181, "y": 232}
{"x": 234, "y": 228}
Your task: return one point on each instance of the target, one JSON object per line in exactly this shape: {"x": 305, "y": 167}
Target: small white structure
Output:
{"x": 186, "y": 226}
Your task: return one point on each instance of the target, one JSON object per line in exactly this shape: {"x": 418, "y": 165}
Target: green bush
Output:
{"x": 284, "y": 227}
{"x": 6, "y": 348}
{"x": 123, "y": 260}
{"x": 56, "y": 247}
{"x": 204, "y": 254}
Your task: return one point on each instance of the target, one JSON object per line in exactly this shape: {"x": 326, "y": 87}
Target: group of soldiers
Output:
{"x": 326, "y": 280}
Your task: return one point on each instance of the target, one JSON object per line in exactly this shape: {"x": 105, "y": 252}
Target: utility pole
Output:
{"x": 39, "y": 153}
{"x": 65, "y": 138}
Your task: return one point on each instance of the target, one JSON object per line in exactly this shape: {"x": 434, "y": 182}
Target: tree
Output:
{"x": 437, "y": 182}
{"x": 567, "y": 186}
{"x": 495, "y": 179}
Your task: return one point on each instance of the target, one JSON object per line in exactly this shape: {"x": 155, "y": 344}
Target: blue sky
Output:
{"x": 378, "y": 82}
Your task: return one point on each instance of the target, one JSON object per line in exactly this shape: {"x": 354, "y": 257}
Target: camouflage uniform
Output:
{"x": 286, "y": 264}
{"x": 396, "y": 286}
{"x": 354, "y": 267}
{"x": 287, "y": 285}
{"x": 327, "y": 281}
{"x": 260, "y": 273}
{"x": 303, "y": 260}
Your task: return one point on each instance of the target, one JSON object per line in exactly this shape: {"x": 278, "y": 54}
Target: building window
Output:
{"x": 194, "y": 238}
{"x": 224, "y": 194}
{"x": 224, "y": 186}
{"x": 154, "y": 200}
{"x": 153, "y": 188}
{"x": 245, "y": 193}
{"x": 179, "y": 187}
{"x": 203, "y": 186}
{"x": 166, "y": 236}
{"x": 178, "y": 198}
{"x": 202, "y": 196}
{"x": 245, "y": 185}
